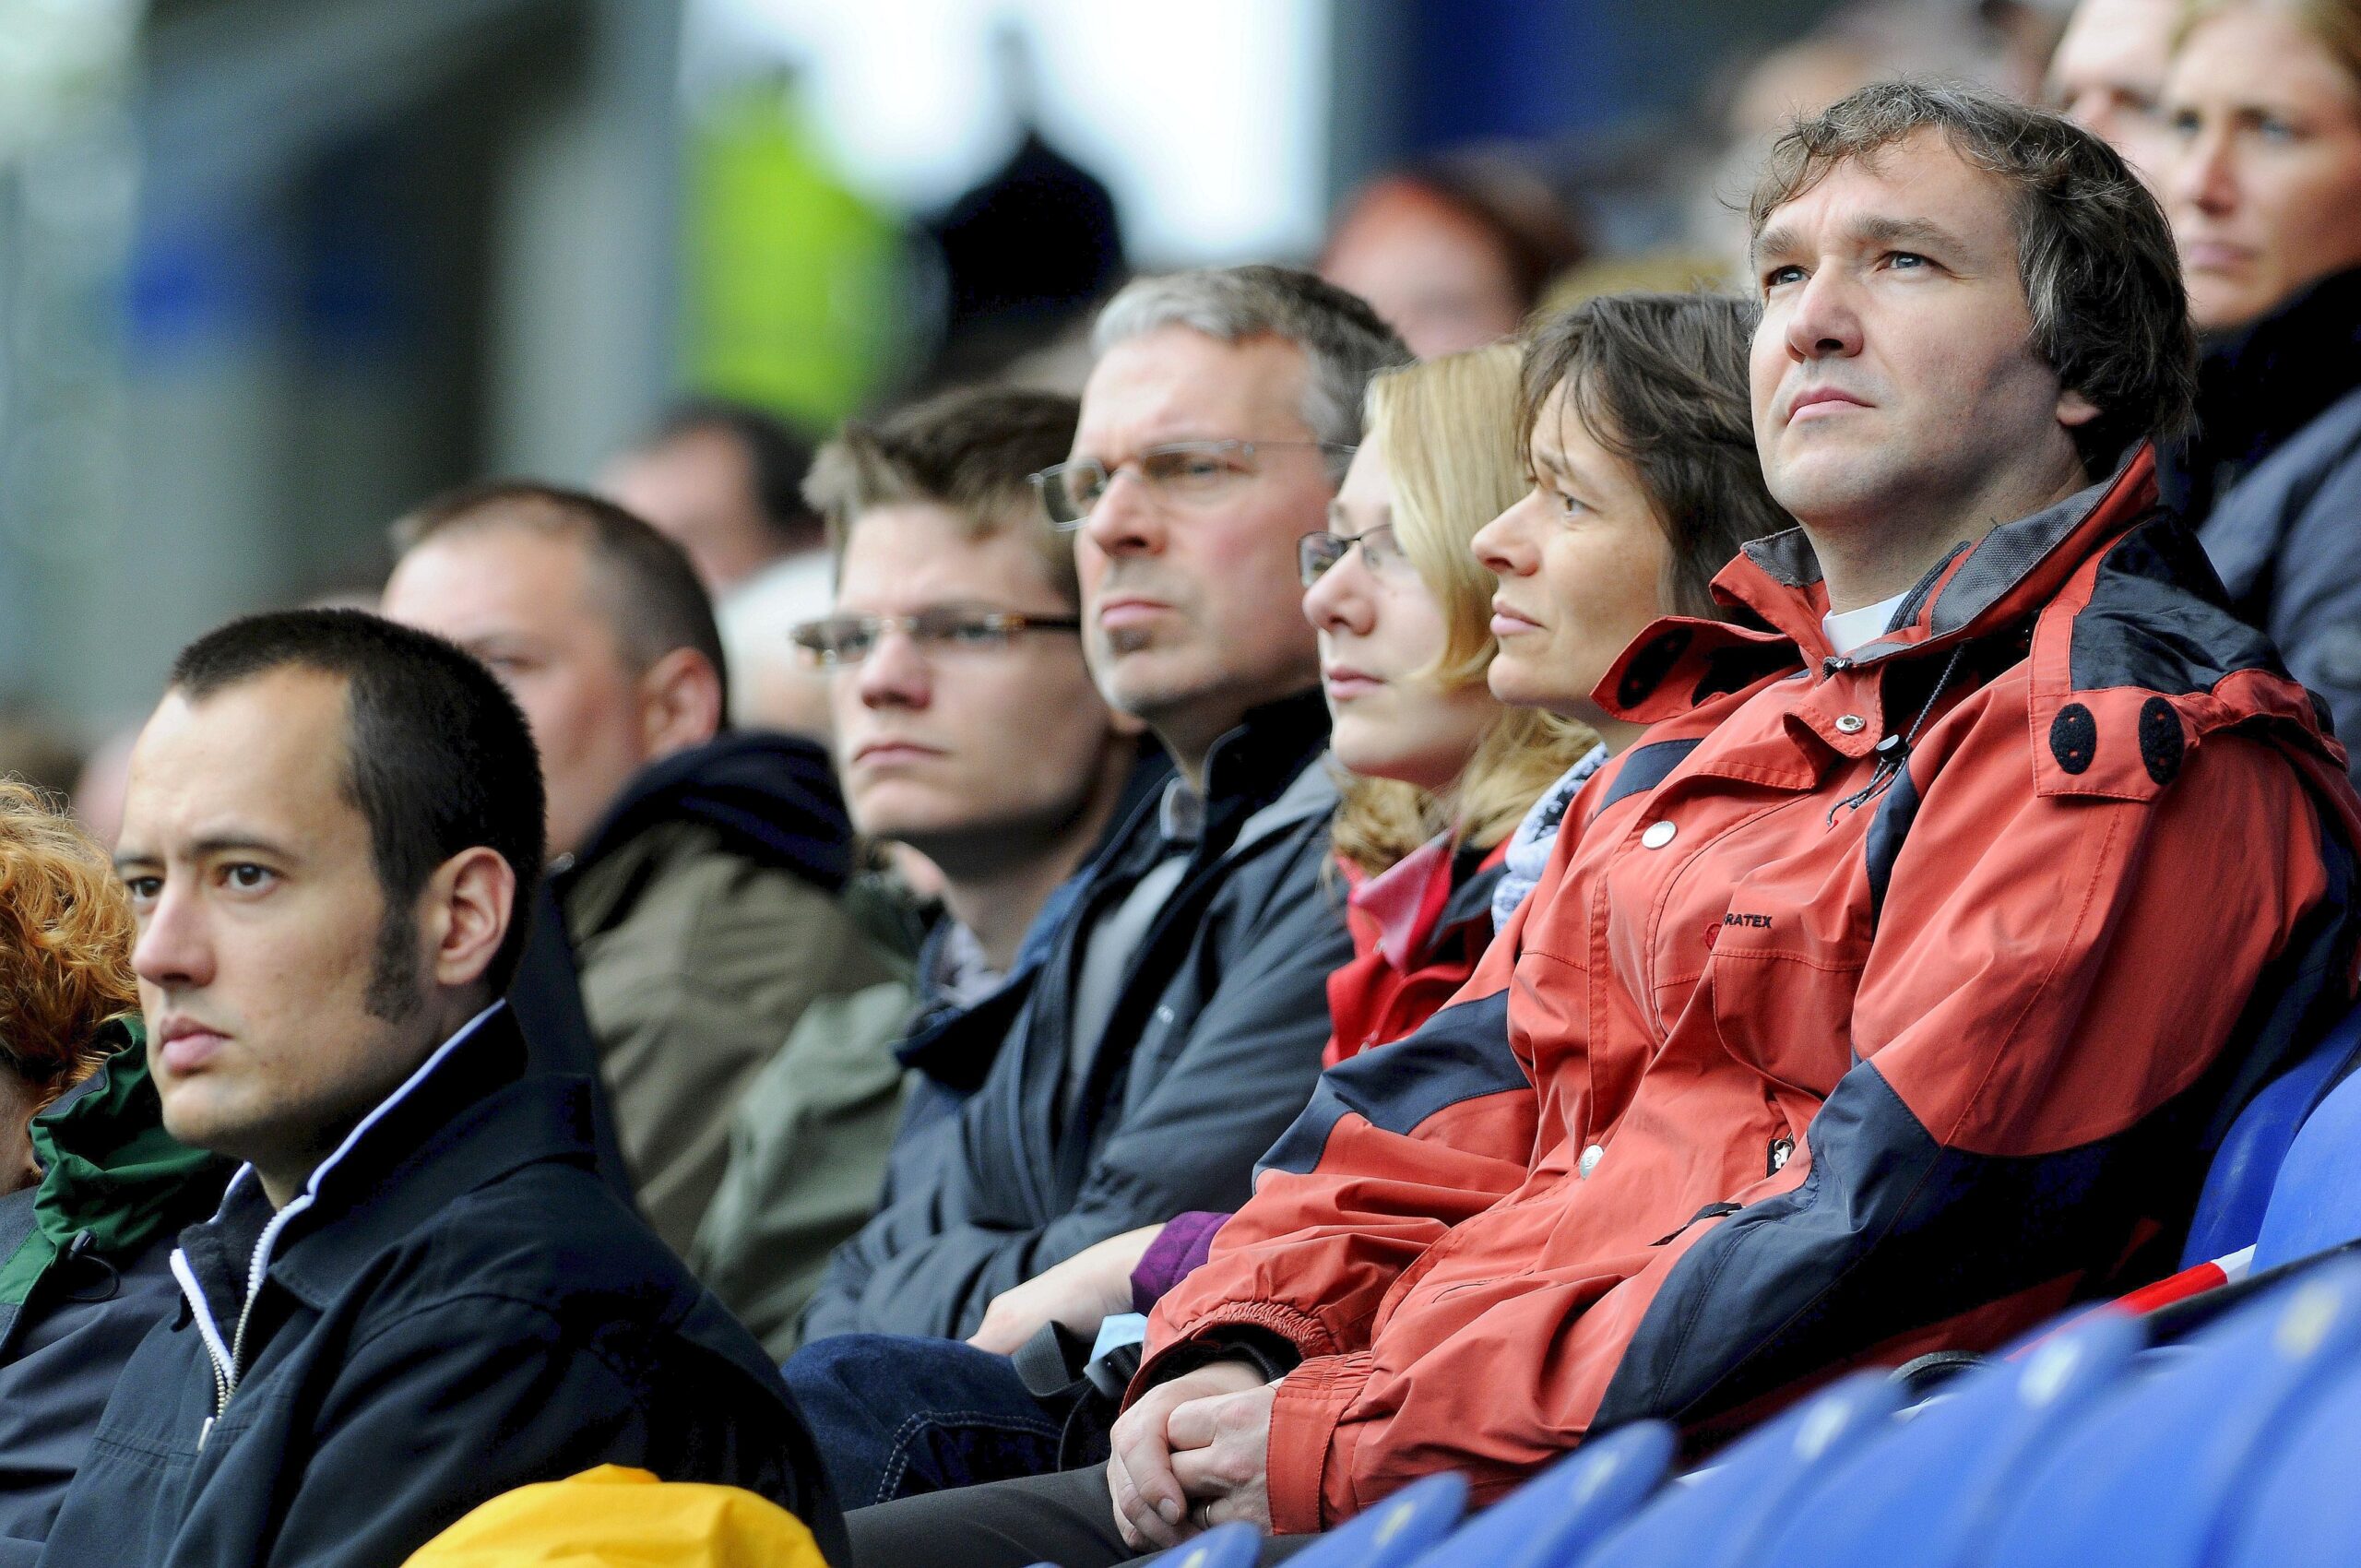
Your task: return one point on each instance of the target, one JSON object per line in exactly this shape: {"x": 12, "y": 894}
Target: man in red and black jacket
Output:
{"x": 1885, "y": 994}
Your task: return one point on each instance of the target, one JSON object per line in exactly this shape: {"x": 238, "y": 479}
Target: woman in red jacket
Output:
{"x": 1435, "y": 773}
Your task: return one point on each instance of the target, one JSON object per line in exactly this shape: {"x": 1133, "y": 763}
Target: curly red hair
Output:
{"x": 66, "y": 937}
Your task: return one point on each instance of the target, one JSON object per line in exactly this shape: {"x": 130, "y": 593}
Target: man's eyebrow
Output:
{"x": 240, "y": 843}
{"x": 1904, "y": 232}
{"x": 1771, "y": 241}
{"x": 1872, "y": 230}
{"x": 207, "y": 848}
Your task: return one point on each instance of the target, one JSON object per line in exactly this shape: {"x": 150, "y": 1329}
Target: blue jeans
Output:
{"x": 895, "y": 1417}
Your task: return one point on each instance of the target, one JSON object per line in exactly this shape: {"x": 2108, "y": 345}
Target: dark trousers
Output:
{"x": 895, "y": 1417}
{"x": 1065, "y": 1517}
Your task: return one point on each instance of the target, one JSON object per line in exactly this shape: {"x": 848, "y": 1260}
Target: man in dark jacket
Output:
{"x": 698, "y": 871}
{"x": 1176, "y": 1023}
{"x": 416, "y": 1294}
{"x": 84, "y": 1273}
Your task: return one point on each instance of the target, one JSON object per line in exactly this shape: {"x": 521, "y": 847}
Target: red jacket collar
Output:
{"x": 1774, "y": 586}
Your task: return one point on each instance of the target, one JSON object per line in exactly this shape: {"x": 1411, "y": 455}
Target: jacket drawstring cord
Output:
{"x": 1894, "y": 752}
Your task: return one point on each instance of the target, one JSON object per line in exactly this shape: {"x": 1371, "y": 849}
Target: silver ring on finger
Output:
{"x": 1202, "y": 1513}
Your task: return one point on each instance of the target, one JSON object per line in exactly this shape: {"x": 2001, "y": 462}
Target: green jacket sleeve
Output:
{"x": 807, "y": 1152}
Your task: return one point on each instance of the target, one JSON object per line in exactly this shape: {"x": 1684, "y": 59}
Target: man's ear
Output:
{"x": 680, "y": 702}
{"x": 2075, "y": 410}
{"x": 468, "y": 905}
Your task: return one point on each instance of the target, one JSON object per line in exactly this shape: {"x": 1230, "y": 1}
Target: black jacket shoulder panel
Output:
{"x": 2158, "y": 619}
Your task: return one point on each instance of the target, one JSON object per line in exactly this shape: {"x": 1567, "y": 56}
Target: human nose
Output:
{"x": 1126, "y": 521}
{"x": 1504, "y": 545}
{"x": 175, "y": 951}
{"x": 895, "y": 673}
{"x": 2204, "y": 174}
{"x": 1823, "y": 318}
{"x": 1338, "y": 598}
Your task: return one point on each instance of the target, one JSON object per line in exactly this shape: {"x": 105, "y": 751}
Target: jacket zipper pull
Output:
{"x": 1782, "y": 1151}
{"x": 205, "y": 1432}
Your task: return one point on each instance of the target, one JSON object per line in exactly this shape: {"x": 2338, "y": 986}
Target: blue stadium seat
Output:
{"x": 1561, "y": 1511}
{"x": 1391, "y": 1533}
{"x": 2239, "y": 1183}
{"x": 1918, "y": 1496}
{"x": 1720, "y": 1514}
{"x": 2301, "y": 1513}
{"x": 2148, "y": 1474}
{"x": 2316, "y": 1201}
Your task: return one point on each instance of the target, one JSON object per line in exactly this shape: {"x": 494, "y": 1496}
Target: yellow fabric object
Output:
{"x": 617, "y": 1518}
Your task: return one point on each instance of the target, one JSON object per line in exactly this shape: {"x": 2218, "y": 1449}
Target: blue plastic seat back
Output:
{"x": 1561, "y": 1511}
{"x": 2300, "y": 1513}
{"x": 2146, "y": 1475}
{"x": 2239, "y": 1183}
{"x": 1390, "y": 1533}
{"x": 1918, "y": 1496}
{"x": 2316, "y": 1201}
{"x": 1719, "y": 1514}
{"x": 1224, "y": 1546}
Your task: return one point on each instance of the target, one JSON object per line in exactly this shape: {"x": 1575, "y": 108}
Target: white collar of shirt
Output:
{"x": 1849, "y": 629}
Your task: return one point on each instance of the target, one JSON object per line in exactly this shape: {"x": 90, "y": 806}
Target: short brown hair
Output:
{"x": 2095, "y": 254}
{"x": 1660, "y": 380}
{"x": 66, "y": 937}
{"x": 973, "y": 451}
{"x": 653, "y": 598}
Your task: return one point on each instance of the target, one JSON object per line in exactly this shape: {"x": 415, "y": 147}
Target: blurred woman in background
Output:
{"x": 2263, "y": 187}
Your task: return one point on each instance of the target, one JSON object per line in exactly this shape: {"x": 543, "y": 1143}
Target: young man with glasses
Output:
{"x": 967, "y": 727}
{"x": 1175, "y": 1023}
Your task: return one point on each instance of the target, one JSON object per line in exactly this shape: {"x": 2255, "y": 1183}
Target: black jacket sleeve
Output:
{"x": 406, "y": 1444}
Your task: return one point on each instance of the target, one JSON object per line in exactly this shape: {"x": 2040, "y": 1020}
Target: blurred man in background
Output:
{"x": 697, "y": 868}
{"x": 724, "y": 480}
{"x": 1453, "y": 252}
{"x": 2108, "y": 73}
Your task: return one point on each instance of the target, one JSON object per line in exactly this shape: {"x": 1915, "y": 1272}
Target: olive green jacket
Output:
{"x": 806, "y": 1156}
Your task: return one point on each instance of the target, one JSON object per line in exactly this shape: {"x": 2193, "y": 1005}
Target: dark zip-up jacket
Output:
{"x": 455, "y": 1306}
{"x": 2271, "y": 481}
{"x": 1212, "y": 1046}
{"x": 84, "y": 1273}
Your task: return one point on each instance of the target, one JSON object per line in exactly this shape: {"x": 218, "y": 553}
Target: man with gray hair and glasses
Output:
{"x": 1174, "y": 1027}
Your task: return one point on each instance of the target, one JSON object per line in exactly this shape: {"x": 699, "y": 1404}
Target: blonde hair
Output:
{"x": 66, "y": 937}
{"x": 1449, "y": 430}
{"x": 2335, "y": 25}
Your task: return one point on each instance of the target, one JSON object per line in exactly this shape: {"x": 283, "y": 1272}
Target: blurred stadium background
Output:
{"x": 271, "y": 270}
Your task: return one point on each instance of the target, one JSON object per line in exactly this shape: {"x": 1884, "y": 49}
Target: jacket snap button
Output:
{"x": 1589, "y": 1161}
{"x": 1851, "y": 723}
{"x": 1658, "y": 834}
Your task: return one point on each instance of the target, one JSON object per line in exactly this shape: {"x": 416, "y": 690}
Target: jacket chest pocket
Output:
{"x": 1786, "y": 950}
